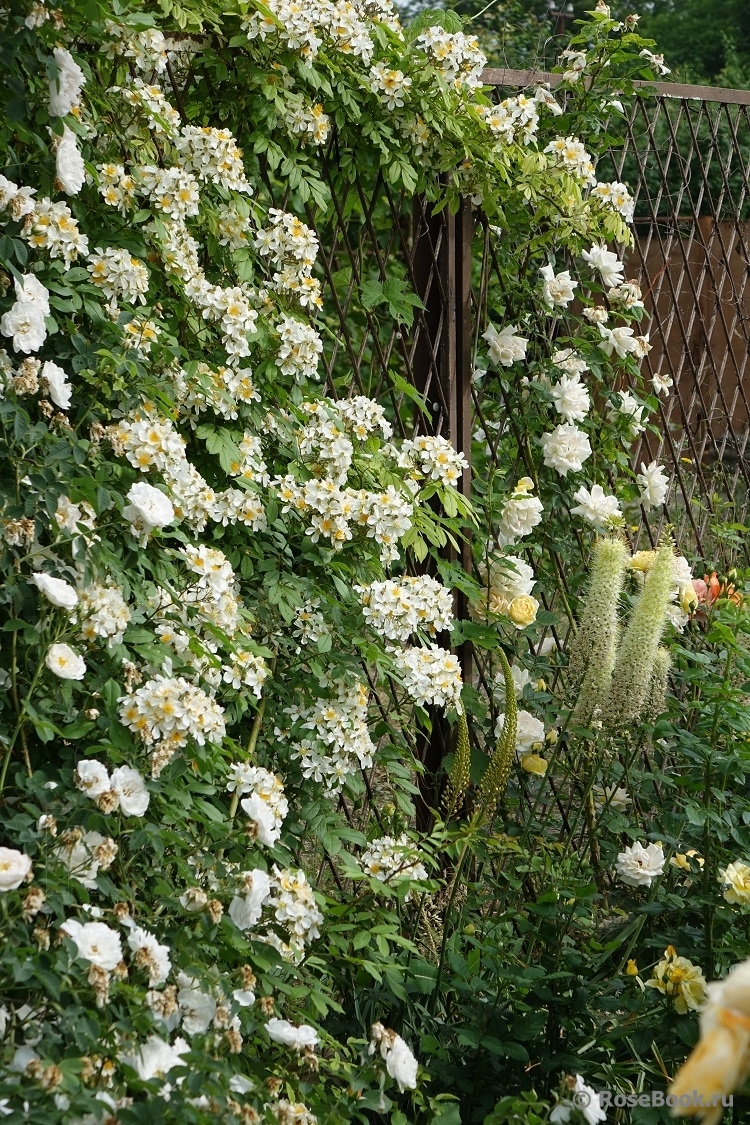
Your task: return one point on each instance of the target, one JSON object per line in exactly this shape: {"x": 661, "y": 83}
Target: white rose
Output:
{"x": 14, "y": 868}
{"x": 281, "y": 1031}
{"x": 402, "y": 1065}
{"x": 157, "y": 956}
{"x": 571, "y": 399}
{"x": 59, "y": 388}
{"x": 156, "y": 1057}
{"x": 245, "y": 909}
{"x": 505, "y": 347}
{"x": 65, "y": 662}
{"x": 529, "y": 732}
{"x": 65, "y": 90}
{"x": 263, "y": 817}
{"x": 71, "y": 171}
{"x": 595, "y": 506}
{"x": 92, "y": 778}
{"x": 654, "y": 485}
{"x": 24, "y": 323}
{"x": 610, "y": 268}
{"x": 197, "y": 1008}
{"x": 558, "y": 289}
{"x": 638, "y": 866}
{"x": 565, "y": 449}
{"x": 96, "y": 943}
{"x": 131, "y": 789}
{"x": 55, "y": 590}
{"x": 148, "y": 510}
{"x": 30, "y": 291}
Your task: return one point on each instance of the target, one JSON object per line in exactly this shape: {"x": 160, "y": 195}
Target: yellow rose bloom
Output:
{"x": 522, "y": 611}
{"x": 532, "y": 763}
{"x": 631, "y": 969}
{"x": 688, "y": 598}
{"x": 736, "y": 878}
{"x": 680, "y": 980}
{"x": 642, "y": 560}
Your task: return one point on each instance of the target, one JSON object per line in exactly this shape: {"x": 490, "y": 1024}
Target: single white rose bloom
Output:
{"x": 156, "y": 1057}
{"x": 262, "y": 815}
{"x": 621, "y": 340}
{"x": 55, "y": 590}
{"x": 58, "y": 387}
{"x": 529, "y": 732}
{"x": 30, "y": 291}
{"x": 151, "y": 954}
{"x": 196, "y": 1007}
{"x": 281, "y": 1031}
{"x": 149, "y": 510}
{"x": 96, "y": 943}
{"x": 638, "y": 866}
{"x": 505, "y": 347}
{"x": 565, "y": 449}
{"x": 65, "y": 662}
{"x": 653, "y": 484}
{"x": 14, "y": 869}
{"x": 24, "y": 323}
{"x": 92, "y": 778}
{"x": 559, "y": 288}
{"x": 402, "y": 1065}
{"x": 71, "y": 171}
{"x": 595, "y": 506}
{"x": 245, "y": 909}
{"x": 610, "y": 268}
{"x": 131, "y": 789}
{"x": 571, "y": 399}
{"x": 65, "y": 90}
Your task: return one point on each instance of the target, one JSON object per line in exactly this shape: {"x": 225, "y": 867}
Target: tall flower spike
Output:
{"x": 656, "y": 702}
{"x": 594, "y": 649}
{"x": 460, "y": 775}
{"x": 497, "y": 773}
{"x": 631, "y": 679}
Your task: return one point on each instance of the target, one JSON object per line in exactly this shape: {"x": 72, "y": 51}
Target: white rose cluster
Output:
{"x": 103, "y": 612}
{"x": 433, "y": 458}
{"x": 125, "y": 789}
{"x": 393, "y": 860}
{"x": 400, "y": 1063}
{"x": 265, "y": 805}
{"x": 396, "y": 608}
{"x": 289, "y": 895}
{"x": 457, "y": 56}
{"x": 339, "y": 24}
{"x": 292, "y": 248}
{"x": 431, "y": 676}
{"x": 166, "y": 712}
{"x": 24, "y": 322}
{"x": 339, "y": 743}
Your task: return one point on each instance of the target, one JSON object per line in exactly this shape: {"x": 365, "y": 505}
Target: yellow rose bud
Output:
{"x": 522, "y": 611}
{"x": 642, "y": 560}
{"x": 541, "y": 685}
{"x": 552, "y": 737}
{"x": 631, "y": 968}
{"x": 688, "y": 598}
{"x": 524, "y": 485}
{"x": 532, "y": 763}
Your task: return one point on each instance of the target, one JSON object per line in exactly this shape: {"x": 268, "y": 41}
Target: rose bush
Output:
{"x": 219, "y": 649}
